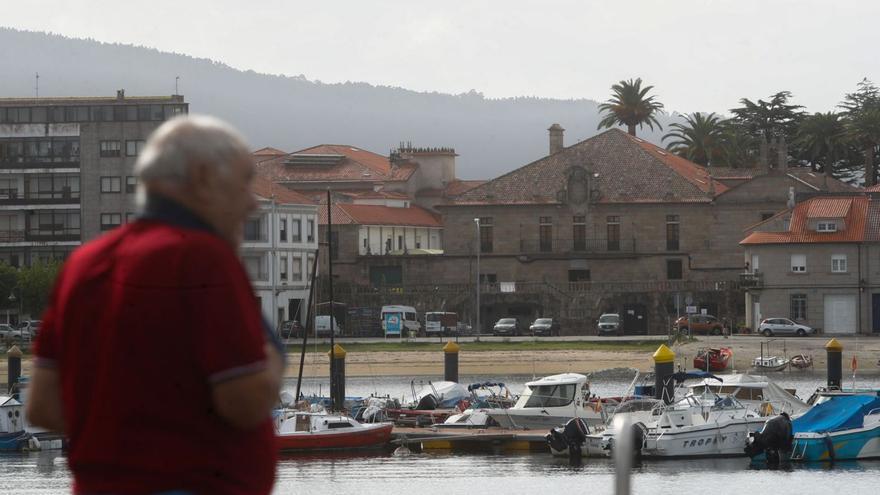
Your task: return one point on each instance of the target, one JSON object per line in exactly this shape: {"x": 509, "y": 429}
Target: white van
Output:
{"x": 409, "y": 319}
{"x": 441, "y": 323}
{"x": 322, "y": 326}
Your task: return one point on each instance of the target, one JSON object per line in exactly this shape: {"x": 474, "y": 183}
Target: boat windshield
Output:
{"x": 551, "y": 395}
{"x": 726, "y": 403}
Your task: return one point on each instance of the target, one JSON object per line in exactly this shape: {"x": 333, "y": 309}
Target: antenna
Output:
{"x": 176, "y": 80}
{"x": 37, "y": 86}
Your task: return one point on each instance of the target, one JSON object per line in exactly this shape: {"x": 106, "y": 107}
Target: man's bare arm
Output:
{"x": 246, "y": 401}
{"x": 44, "y": 407}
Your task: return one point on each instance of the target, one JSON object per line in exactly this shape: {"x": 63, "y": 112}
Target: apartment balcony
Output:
{"x": 40, "y": 236}
{"x": 39, "y": 164}
{"x": 576, "y": 247}
{"x": 14, "y": 198}
{"x": 751, "y": 280}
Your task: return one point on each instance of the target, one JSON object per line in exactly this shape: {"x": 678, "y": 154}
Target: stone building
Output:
{"x": 66, "y": 168}
{"x": 817, "y": 264}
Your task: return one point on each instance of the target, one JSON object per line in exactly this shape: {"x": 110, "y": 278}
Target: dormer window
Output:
{"x": 826, "y": 227}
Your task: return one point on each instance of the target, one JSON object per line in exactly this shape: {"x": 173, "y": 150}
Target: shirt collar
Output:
{"x": 166, "y": 210}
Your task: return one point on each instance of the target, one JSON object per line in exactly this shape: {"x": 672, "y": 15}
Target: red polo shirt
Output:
{"x": 141, "y": 323}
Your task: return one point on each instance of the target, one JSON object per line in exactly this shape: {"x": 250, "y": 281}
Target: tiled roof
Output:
{"x": 735, "y": 173}
{"x": 268, "y": 151}
{"x": 875, "y": 188}
{"x": 347, "y": 213}
{"x": 625, "y": 170}
{"x": 355, "y": 165}
{"x": 829, "y": 208}
{"x": 457, "y": 187}
{"x": 799, "y": 231}
{"x": 266, "y": 190}
{"x": 872, "y": 229}
{"x": 818, "y": 181}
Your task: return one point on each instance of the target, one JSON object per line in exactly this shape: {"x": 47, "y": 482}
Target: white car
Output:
{"x": 783, "y": 326}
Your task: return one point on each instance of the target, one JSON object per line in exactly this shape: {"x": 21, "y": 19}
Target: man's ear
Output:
{"x": 202, "y": 180}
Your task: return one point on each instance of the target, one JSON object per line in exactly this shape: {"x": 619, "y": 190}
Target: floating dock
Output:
{"x": 494, "y": 440}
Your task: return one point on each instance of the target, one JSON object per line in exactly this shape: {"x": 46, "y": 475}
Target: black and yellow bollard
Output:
{"x": 337, "y": 377}
{"x": 450, "y": 361}
{"x": 13, "y": 370}
{"x": 664, "y": 367}
{"x": 834, "y": 352}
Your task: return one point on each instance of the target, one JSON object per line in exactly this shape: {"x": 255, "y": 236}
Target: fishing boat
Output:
{"x": 801, "y": 361}
{"x": 552, "y": 401}
{"x": 13, "y": 434}
{"x": 718, "y": 359}
{"x": 307, "y": 431}
{"x": 770, "y": 363}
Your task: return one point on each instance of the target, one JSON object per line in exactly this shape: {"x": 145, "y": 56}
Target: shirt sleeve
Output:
{"x": 227, "y": 328}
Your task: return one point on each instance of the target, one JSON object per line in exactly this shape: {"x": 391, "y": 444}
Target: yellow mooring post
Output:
{"x": 450, "y": 361}
{"x": 834, "y": 353}
{"x": 664, "y": 367}
{"x": 337, "y": 354}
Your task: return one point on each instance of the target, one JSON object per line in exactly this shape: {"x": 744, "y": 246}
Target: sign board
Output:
{"x": 691, "y": 310}
{"x": 393, "y": 325}
{"x": 507, "y": 286}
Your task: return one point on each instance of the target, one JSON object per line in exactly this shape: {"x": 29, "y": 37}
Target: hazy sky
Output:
{"x": 699, "y": 55}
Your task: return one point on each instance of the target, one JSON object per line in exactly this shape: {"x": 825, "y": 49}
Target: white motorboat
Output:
{"x": 700, "y": 426}
{"x": 770, "y": 363}
{"x": 754, "y": 391}
{"x": 551, "y": 402}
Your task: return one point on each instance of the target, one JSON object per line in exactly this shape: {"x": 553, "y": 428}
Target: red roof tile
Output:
{"x": 268, "y": 151}
{"x": 829, "y": 207}
{"x": 266, "y": 189}
{"x": 799, "y": 231}
{"x": 414, "y": 216}
{"x": 355, "y": 165}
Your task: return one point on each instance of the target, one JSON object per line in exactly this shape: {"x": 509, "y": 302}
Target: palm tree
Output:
{"x": 864, "y": 128}
{"x": 823, "y": 137}
{"x": 700, "y": 138}
{"x": 629, "y": 105}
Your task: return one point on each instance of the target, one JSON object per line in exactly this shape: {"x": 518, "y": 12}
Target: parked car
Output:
{"x": 783, "y": 326}
{"x": 506, "y": 326}
{"x": 705, "y": 324}
{"x": 29, "y": 328}
{"x": 8, "y": 332}
{"x": 291, "y": 329}
{"x": 610, "y": 324}
{"x": 545, "y": 326}
{"x": 441, "y": 323}
{"x": 322, "y": 326}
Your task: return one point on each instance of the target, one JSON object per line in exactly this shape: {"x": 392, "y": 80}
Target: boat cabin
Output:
{"x": 305, "y": 422}
{"x": 11, "y": 415}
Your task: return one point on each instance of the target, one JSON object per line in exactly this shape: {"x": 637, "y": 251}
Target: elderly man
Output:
{"x": 153, "y": 356}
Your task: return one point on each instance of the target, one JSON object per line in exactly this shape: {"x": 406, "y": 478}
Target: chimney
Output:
{"x": 120, "y": 94}
{"x": 556, "y": 132}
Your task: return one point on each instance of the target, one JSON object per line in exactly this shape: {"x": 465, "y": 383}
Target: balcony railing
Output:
{"x": 576, "y": 246}
{"x": 33, "y": 235}
{"x": 27, "y": 198}
{"x": 751, "y": 280}
{"x": 25, "y": 163}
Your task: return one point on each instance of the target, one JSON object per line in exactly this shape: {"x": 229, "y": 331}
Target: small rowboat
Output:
{"x": 802, "y": 361}
{"x": 718, "y": 359}
{"x": 306, "y": 432}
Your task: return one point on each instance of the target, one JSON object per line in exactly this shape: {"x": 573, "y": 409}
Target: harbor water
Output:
{"x": 442, "y": 472}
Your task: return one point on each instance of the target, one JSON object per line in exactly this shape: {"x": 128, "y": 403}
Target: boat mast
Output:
{"x": 333, "y": 383}
{"x": 310, "y": 324}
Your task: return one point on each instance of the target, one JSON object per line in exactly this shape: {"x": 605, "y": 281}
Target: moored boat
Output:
{"x": 718, "y": 359}
{"x": 308, "y": 431}
{"x": 770, "y": 363}
{"x": 552, "y": 401}
{"x": 801, "y": 361}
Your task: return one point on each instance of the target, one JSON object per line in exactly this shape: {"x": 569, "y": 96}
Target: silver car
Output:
{"x": 784, "y": 326}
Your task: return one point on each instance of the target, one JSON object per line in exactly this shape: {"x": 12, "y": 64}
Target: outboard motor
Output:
{"x": 571, "y": 436}
{"x": 428, "y": 403}
{"x": 774, "y": 440}
{"x": 639, "y": 430}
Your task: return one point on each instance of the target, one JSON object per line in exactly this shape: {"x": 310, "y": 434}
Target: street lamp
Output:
{"x": 477, "y": 223}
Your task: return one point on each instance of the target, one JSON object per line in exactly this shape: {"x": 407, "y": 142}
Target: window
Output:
{"x": 486, "y": 234}
{"x": 838, "y": 263}
{"x": 252, "y": 229}
{"x": 110, "y": 221}
{"x": 579, "y": 233}
{"x": 551, "y": 395}
{"x": 282, "y": 230}
{"x": 310, "y": 232}
{"x": 254, "y": 267}
{"x": 488, "y": 278}
{"x": 296, "y": 230}
{"x": 673, "y": 270}
{"x": 826, "y": 227}
{"x": 612, "y": 230}
{"x": 766, "y": 216}
{"x": 296, "y": 269}
{"x": 672, "y": 233}
{"x": 799, "y": 263}
{"x": 130, "y": 217}
{"x": 110, "y": 148}
{"x": 133, "y": 148}
{"x": 579, "y": 275}
{"x": 283, "y": 268}
{"x": 798, "y": 307}
{"x": 111, "y": 184}
{"x": 310, "y": 261}
{"x": 545, "y": 234}
{"x": 131, "y": 183}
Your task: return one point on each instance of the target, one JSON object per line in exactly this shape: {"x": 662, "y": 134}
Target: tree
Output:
{"x": 35, "y": 283}
{"x": 8, "y": 281}
{"x": 769, "y": 119}
{"x": 700, "y": 138}
{"x": 823, "y": 140}
{"x": 862, "y": 109}
{"x": 631, "y": 106}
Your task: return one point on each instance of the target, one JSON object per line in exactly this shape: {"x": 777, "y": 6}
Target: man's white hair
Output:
{"x": 189, "y": 140}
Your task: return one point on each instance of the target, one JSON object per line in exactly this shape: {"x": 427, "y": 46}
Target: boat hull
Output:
{"x": 863, "y": 443}
{"x": 370, "y": 436}
{"x": 15, "y": 441}
{"x": 718, "y": 361}
{"x": 512, "y": 418}
{"x": 725, "y": 441}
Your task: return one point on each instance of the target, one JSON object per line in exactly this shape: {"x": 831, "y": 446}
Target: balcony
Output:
{"x": 34, "y": 235}
{"x": 751, "y": 280}
{"x": 576, "y": 246}
{"x": 37, "y": 164}
{"x": 14, "y": 197}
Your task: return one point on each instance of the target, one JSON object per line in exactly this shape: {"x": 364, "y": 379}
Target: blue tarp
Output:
{"x": 840, "y": 413}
